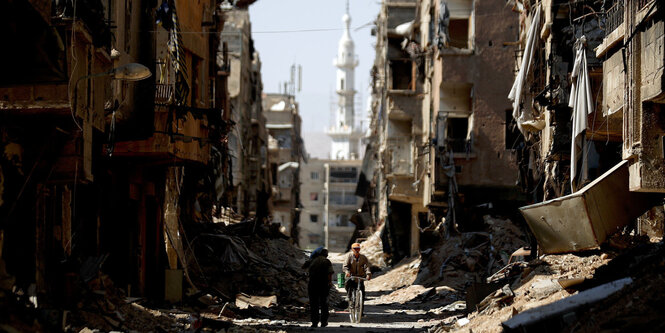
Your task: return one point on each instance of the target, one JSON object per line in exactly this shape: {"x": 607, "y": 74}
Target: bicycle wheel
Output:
{"x": 361, "y": 304}
{"x": 358, "y": 305}
{"x": 352, "y": 306}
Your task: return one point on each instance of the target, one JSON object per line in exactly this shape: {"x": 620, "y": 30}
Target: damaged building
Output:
{"x": 286, "y": 151}
{"x": 441, "y": 129}
{"x": 248, "y": 140}
{"x": 586, "y": 98}
{"x": 114, "y": 137}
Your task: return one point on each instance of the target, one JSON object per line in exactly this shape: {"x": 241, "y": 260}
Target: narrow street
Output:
{"x": 186, "y": 166}
{"x": 380, "y": 315}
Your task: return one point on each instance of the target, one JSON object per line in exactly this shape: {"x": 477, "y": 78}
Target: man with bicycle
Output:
{"x": 356, "y": 264}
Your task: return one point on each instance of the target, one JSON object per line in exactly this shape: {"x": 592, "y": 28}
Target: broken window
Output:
{"x": 460, "y": 28}
{"x": 313, "y": 218}
{"x": 455, "y": 117}
{"x": 402, "y": 72}
{"x": 457, "y": 129}
{"x": 513, "y": 135}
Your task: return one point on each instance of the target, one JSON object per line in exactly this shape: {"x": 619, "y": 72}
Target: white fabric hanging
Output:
{"x": 516, "y": 91}
{"x": 582, "y": 104}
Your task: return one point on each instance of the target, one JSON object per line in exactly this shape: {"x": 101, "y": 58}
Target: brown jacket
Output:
{"x": 356, "y": 267}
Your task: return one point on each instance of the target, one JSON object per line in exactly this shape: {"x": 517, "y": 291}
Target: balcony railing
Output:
{"x": 459, "y": 145}
{"x": 614, "y": 17}
{"x": 642, "y": 3}
{"x": 163, "y": 93}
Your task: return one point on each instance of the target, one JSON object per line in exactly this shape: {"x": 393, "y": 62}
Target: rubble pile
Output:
{"x": 402, "y": 275}
{"x": 471, "y": 256}
{"x": 105, "y": 307}
{"x": 638, "y": 307}
{"x": 372, "y": 248}
{"x": 248, "y": 257}
{"x": 542, "y": 281}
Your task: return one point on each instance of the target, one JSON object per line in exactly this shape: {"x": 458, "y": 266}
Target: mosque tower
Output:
{"x": 345, "y": 137}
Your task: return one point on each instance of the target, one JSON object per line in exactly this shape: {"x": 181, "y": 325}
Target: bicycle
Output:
{"x": 356, "y": 300}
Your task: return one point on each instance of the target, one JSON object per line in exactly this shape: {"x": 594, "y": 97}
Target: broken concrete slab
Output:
{"x": 543, "y": 288}
{"x": 583, "y": 220}
{"x": 244, "y": 301}
{"x": 562, "y": 311}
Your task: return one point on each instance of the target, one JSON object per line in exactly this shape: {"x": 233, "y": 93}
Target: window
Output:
{"x": 457, "y": 130}
{"x": 314, "y": 196}
{"x": 315, "y": 239}
{"x": 343, "y": 198}
{"x": 341, "y": 85}
{"x": 402, "y": 72}
{"x": 314, "y": 175}
{"x": 461, "y": 24}
{"x": 313, "y": 218}
{"x": 455, "y": 116}
{"x": 342, "y": 220}
{"x": 343, "y": 174}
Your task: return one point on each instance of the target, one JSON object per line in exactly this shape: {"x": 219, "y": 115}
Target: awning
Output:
{"x": 287, "y": 165}
{"x": 279, "y": 126}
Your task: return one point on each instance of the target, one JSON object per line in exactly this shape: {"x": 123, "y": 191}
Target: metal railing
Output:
{"x": 642, "y": 3}
{"x": 163, "y": 93}
{"x": 459, "y": 145}
{"x": 614, "y": 17}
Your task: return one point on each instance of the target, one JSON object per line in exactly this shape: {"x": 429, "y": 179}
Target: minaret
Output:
{"x": 345, "y": 138}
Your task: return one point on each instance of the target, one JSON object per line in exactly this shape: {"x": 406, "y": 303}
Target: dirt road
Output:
{"x": 382, "y": 314}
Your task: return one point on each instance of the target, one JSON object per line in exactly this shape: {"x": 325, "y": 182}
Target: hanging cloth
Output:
{"x": 582, "y": 104}
{"x": 516, "y": 91}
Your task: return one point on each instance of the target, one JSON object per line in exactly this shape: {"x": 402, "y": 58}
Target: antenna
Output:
{"x": 292, "y": 80}
{"x": 347, "y": 7}
{"x": 299, "y": 78}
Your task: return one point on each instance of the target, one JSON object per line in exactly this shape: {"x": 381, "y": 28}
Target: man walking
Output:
{"x": 320, "y": 281}
{"x": 356, "y": 264}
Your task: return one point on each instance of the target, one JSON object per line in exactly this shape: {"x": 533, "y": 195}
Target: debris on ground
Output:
{"x": 471, "y": 256}
{"x": 402, "y": 275}
{"x": 247, "y": 258}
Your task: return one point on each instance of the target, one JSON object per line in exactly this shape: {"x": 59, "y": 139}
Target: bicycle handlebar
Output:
{"x": 356, "y": 278}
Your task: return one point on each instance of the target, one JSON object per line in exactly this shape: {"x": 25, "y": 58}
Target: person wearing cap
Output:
{"x": 356, "y": 264}
{"x": 320, "y": 281}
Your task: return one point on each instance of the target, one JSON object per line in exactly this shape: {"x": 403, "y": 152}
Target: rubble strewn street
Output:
{"x": 461, "y": 166}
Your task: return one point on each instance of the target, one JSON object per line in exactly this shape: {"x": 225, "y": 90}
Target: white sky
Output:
{"x": 313, "y": 50}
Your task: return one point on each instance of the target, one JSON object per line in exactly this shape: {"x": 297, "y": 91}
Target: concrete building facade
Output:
{"x": 248, "y": 139}
{"x": 117, "y": 167}
{"x": 440, "y": 140}
{"x": 286, "y": 154}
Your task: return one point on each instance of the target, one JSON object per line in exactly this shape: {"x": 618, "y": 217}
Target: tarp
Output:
{"x": 516, "y": 91}
{"x": 582, "y": 104}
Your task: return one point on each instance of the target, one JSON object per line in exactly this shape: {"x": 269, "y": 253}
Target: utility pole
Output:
{"x": 326, "y": 190}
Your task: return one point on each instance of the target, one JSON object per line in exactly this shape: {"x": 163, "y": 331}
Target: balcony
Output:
{"x": 163, "y": 94}
{"x": 459, "y": 145}
{"x": 614, "y": 17}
